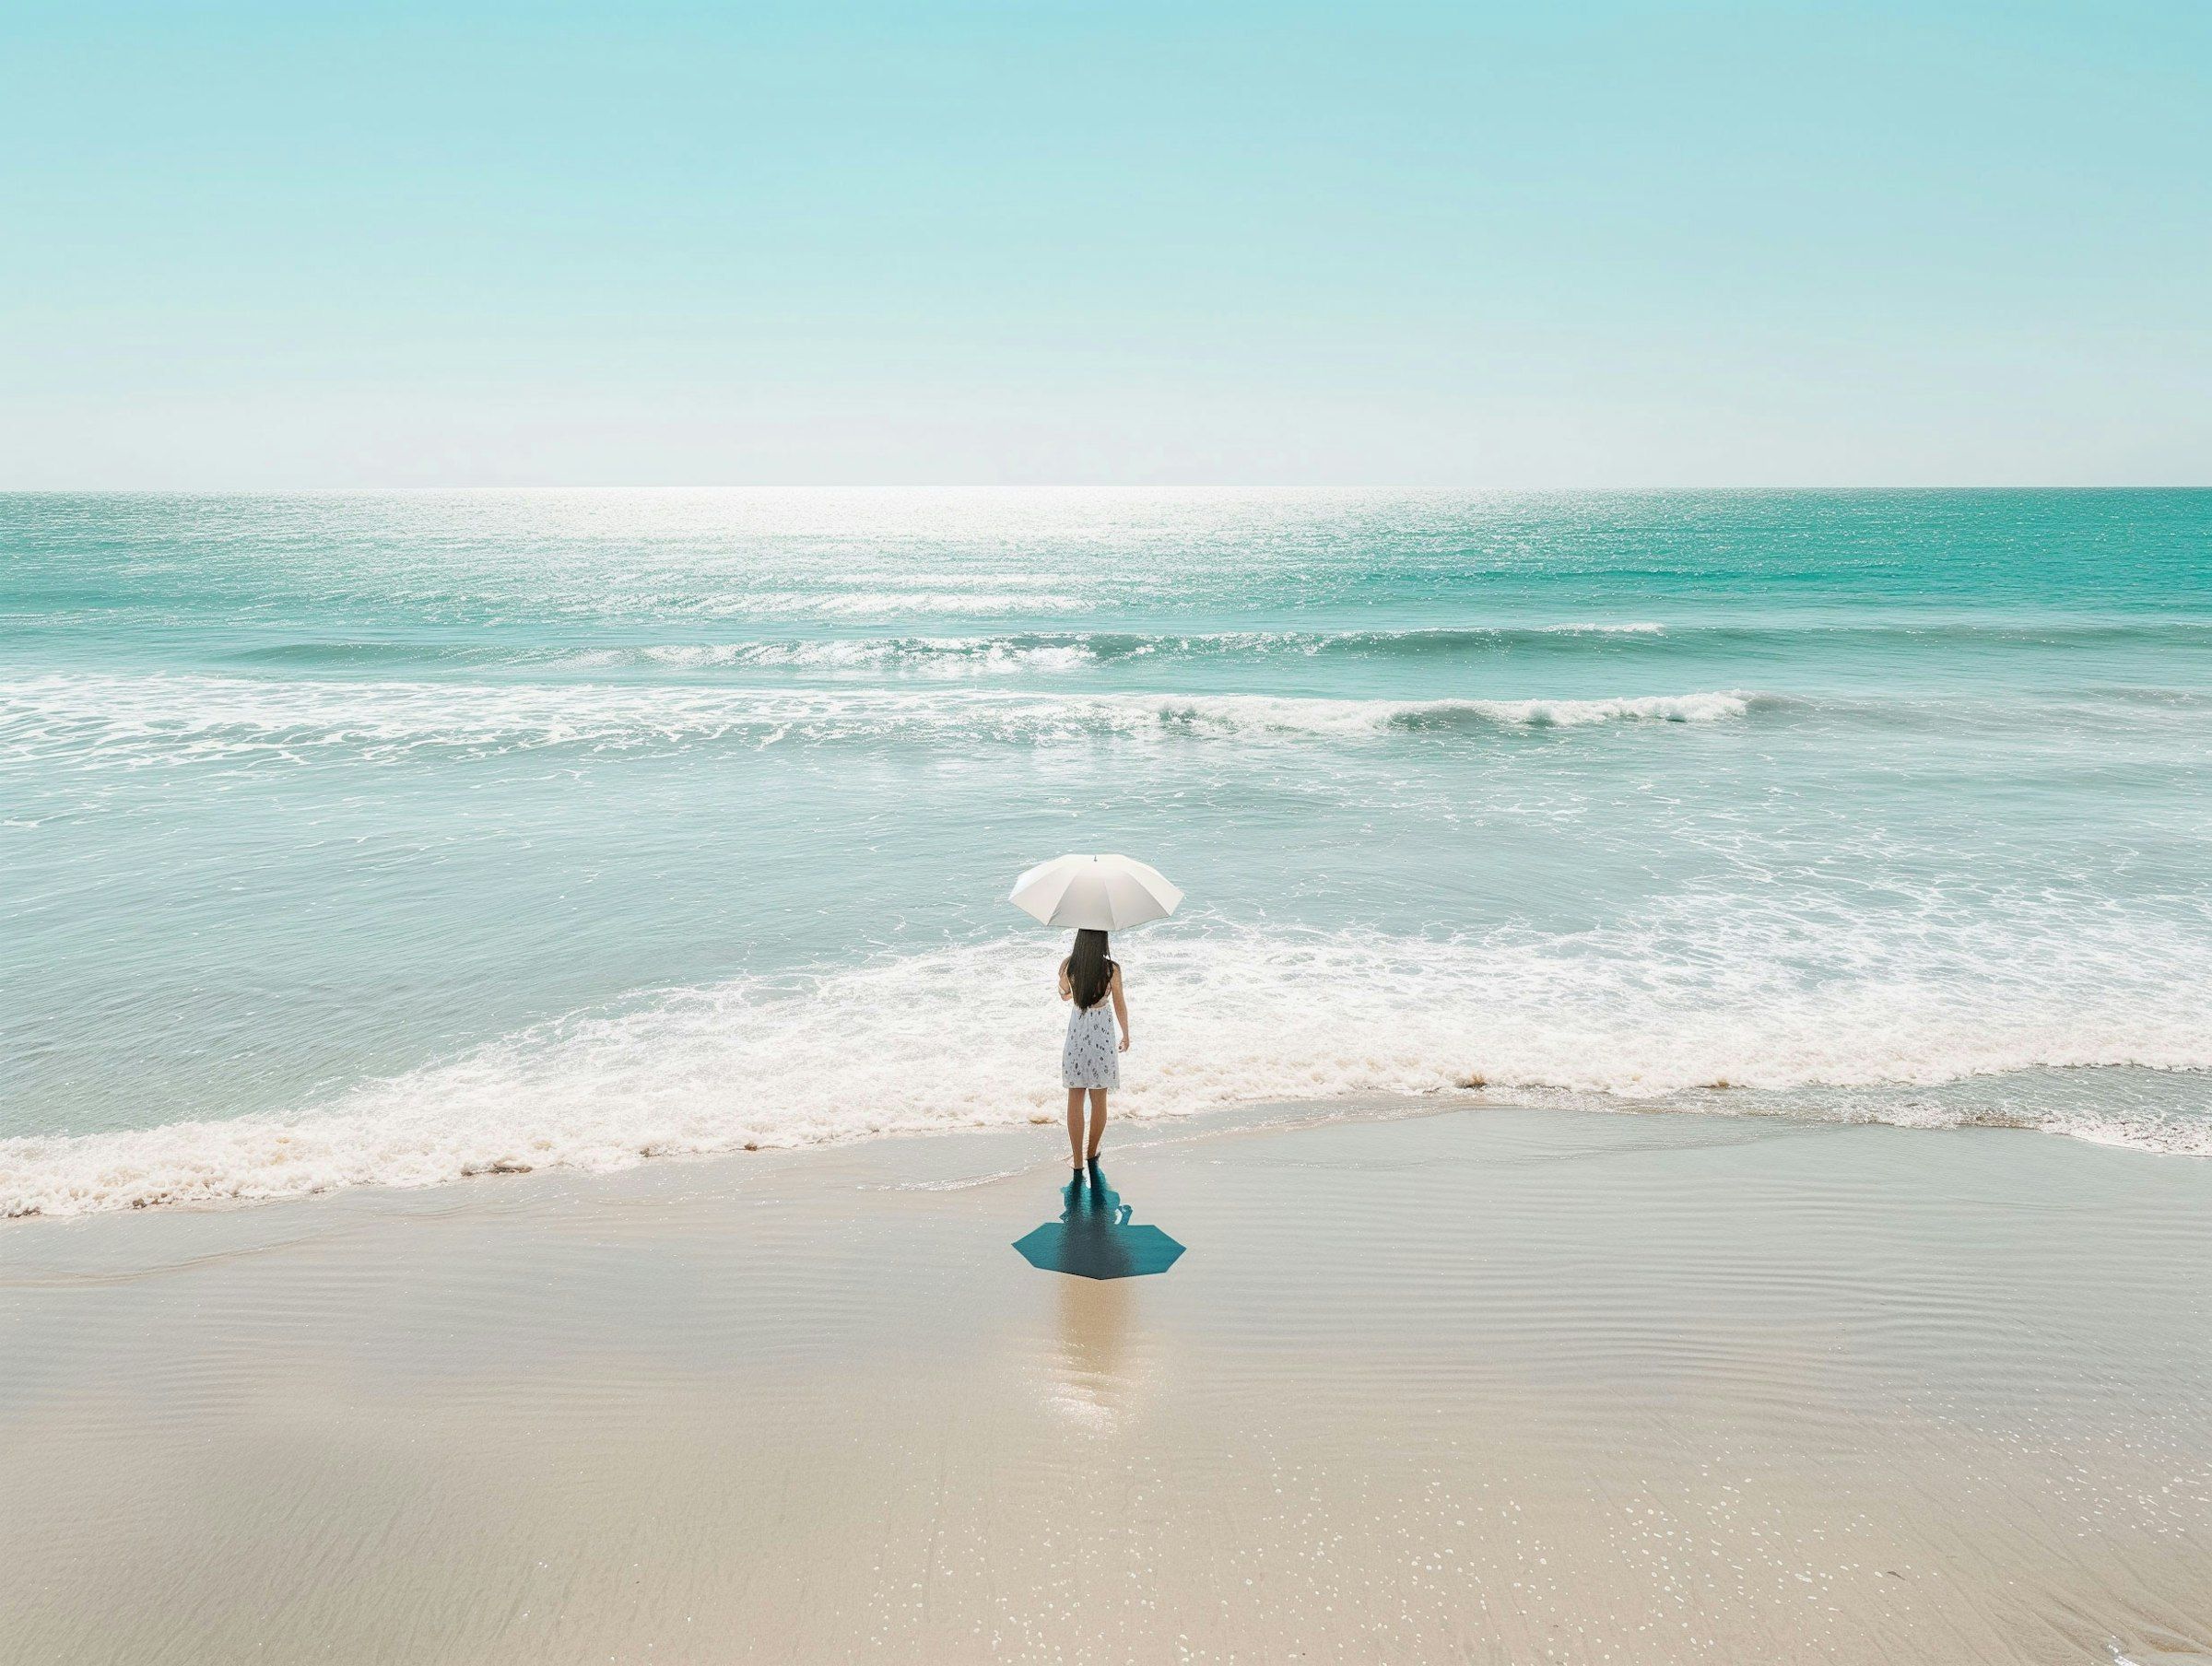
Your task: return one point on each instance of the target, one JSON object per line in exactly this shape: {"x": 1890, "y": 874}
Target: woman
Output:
{"x": 1089, "y": 1059}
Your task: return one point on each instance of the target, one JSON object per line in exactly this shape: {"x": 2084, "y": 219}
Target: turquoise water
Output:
{"x": 388, "y": 838}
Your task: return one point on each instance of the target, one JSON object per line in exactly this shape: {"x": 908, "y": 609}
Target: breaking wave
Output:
{"x": 101, "y": 721}
{"x": 1711, "y": 1008}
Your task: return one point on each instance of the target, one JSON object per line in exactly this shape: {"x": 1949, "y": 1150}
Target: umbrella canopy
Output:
{"x": 1100, "y": 893}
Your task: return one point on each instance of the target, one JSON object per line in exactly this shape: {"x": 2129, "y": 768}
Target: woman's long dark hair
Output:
{"x": 1089, "y": 969}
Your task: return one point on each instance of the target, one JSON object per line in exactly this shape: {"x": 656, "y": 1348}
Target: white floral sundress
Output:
{"x": 1089, "y": 1058}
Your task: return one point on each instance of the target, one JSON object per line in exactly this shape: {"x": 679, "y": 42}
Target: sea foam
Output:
{"x": 968, "y": 1036}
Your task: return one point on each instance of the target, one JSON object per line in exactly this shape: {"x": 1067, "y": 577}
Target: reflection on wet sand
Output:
{"x": 1094, "y": 1376}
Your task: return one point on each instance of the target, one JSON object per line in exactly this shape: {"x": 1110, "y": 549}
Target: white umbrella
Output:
{"x": 1102, "y": 893}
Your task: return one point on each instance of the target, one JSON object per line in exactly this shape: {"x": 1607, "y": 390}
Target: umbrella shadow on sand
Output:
{"x": 1094, "y": 1238}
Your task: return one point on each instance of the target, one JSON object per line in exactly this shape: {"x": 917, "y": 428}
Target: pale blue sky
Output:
{"x": 848, "y": 243}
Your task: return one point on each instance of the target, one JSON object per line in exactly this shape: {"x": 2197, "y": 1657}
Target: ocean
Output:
{"x": 387, "y": 839}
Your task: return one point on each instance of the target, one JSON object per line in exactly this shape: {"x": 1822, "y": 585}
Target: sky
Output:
{"x": 849, "y": 242}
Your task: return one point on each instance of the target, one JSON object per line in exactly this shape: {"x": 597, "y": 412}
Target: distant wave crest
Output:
{"x": 993, "y": 654}
{"x": 102, "y": 721}
{"x": 1055, "y": 651}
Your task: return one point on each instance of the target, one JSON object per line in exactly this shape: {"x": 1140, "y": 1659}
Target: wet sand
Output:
{"x": 1493, "y": 1384}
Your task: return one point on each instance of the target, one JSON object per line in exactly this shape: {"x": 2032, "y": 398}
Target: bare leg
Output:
{"x": 1074, "y": 1128}
{"x": 1098, "y": 1119}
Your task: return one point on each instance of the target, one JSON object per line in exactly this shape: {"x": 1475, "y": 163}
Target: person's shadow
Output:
{"x": 1093, "y": 1238}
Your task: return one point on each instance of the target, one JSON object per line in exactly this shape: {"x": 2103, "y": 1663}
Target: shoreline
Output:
{"x": 1486, "y": 1383}
{"x": 261, "y": 1160}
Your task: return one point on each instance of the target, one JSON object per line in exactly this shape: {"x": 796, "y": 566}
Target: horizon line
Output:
{"x": 1127, "y": 487}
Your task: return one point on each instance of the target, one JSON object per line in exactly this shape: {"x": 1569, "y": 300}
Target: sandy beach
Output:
{"x": 1485, "y": 1384}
